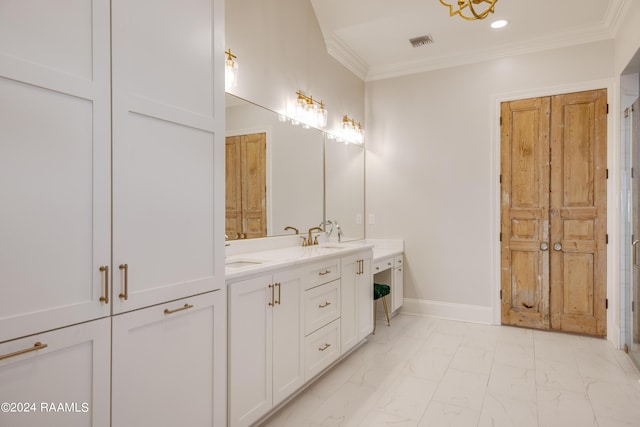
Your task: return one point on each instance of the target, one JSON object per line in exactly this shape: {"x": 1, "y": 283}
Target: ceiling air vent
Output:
{"x": 421, "y": 41}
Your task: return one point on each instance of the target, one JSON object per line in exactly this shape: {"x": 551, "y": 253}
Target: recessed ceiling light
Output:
{"x": 499, "y": 23}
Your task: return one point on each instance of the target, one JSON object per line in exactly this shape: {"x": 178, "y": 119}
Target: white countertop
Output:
{"x": 257, "y": 256}
{"x": 253, "y": 263}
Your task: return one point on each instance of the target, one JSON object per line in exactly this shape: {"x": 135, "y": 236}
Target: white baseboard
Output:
{"x": 447, "y": 310}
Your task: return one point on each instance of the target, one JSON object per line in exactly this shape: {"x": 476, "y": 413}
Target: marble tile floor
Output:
{"x": 432, "y": 372}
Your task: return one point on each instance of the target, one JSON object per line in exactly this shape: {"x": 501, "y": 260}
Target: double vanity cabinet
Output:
{"x": 292, "y": 313}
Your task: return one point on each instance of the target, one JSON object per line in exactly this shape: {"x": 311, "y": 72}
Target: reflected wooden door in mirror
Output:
{"x": 246, "y": 214}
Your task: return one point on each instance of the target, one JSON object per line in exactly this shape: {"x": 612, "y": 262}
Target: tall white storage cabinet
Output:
{"x": 54, "y": 164}
{"x": 164, "y": 160}
{"x": 112, "y": 218}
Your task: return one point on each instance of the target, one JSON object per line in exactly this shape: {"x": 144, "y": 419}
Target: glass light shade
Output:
{"x": 321, "y": 117}
{"x": 230, "y": 73}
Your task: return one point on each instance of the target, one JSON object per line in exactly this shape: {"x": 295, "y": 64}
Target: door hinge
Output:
{"x": 606, "y": 303}
{"x": 633, "y": 306}
{"x": 500, "y": 294}
{"x": 607, "y": 108}
{"x": 500, "y": 178}
{"x": 606, "y": 238}
{"x": 500, "y": 120}
{"x": 607, "y": 173}
{"x": 501, "y": 236}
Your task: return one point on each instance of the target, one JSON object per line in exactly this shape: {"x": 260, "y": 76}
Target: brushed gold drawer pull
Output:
{"x": 323, "y": 273}
{"x": 279, "y": 285}
{"x": 105, "y": 298}
{"x": 125, "y": 295}
{"x": 36, "y": 346}
{"x": 324, "y": 347}
{"x": 185, "y": 307}
{"x": 326, "y": 304}
{"x": 272, "y": 302}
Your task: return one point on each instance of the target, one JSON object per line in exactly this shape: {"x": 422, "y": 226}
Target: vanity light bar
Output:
{"x": 309, "y": 112}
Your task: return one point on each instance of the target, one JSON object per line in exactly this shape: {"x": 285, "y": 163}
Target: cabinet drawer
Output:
{"x": 398, "y": 261}
{"x": 382, "y": 265}
{"x": 321, "y": 306}
{"x": 322, "y": 348}
{"x": 324, "y": 272}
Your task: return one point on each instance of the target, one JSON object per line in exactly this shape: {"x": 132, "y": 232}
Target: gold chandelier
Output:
{"x": 468, "y": 11}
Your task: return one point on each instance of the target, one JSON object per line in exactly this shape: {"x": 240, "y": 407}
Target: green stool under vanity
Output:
{"x": 380, "y": 291}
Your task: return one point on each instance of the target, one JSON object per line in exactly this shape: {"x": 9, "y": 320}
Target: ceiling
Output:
{"x": 371, "y": 37}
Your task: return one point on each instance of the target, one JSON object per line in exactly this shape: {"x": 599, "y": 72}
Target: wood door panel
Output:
{"x": 578, "y": 212}
{"x": 525, "y": 166}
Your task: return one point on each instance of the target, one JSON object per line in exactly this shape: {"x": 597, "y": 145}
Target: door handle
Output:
{"x": 125, "y": 294}
{"x": 544, "y": 246}
{"x": 557, "y": 247}
{"x": 635, "y": 254}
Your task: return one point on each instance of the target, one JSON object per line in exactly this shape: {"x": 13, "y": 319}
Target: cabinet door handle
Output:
{"x": 125, "y": 295}
{"x": 272, "y": 287}
{"x": 324, "y": 347}
{"x": 279, "y": 285}
{"x": 185, "y": 307}
{"x": 105, "y": 298}
{"x": 37, "y": 346}
{"x": 635, "y": 254}
{"x": 323, "y": 273}
{"x": 326, "y": 304}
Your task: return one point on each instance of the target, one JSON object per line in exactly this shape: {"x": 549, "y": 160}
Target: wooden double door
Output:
{"x": 246, "y": 189}
{"x": 553, "y": 212}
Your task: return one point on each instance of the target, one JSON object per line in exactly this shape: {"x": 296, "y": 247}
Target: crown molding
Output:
{"x": 615, "y": 15}
{"x": 346, "y": 56}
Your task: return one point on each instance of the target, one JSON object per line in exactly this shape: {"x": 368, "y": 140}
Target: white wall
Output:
{"x": 430, "y": 161}
{"x": 280, "y": 50}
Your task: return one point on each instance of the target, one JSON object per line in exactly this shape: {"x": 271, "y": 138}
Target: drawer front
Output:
{"x": 321, "y": 306}
{"x": 324, "y": 272}
{"x": 383, "y": 265}
{"x": 321, "y": 349}
{"x": 398, "y": 261}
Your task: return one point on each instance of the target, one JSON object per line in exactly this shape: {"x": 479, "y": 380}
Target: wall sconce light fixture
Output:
{"x": 230, "y": 70}
{"x": 352, "y": 131}
{"x": 309, "y": 112}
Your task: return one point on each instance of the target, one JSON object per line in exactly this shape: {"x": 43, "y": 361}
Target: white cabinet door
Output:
{"x": 168, "y": 150}
{"x": 288, "y": 334}
{"x": 250, "y": 349}
{"x": 357, "y": 299}
{"x": 397, "y": 289}
{"x": 166, "y": 364}
{"x": 349, "y": 293}
{"x": 64, "y": 381}
{"x": 365, "y": 296}
{"x": 54, "y": 164}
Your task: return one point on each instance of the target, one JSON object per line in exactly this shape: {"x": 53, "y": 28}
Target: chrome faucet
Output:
{"x": 310, "y": 240}
{"x": 334, "y": 225}
{"x": 339, "y": 232}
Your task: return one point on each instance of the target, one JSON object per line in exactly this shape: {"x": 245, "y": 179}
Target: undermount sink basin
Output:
{"x": 242, "y": 263}
{"x": 331, "y": 246}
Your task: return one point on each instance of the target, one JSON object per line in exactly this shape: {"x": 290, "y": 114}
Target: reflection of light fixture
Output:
{"x": 468, "y": 11}
{"x": 230, "y": 70}
{"x": 308, "y": 113}
{"x": 352, "y": 131}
